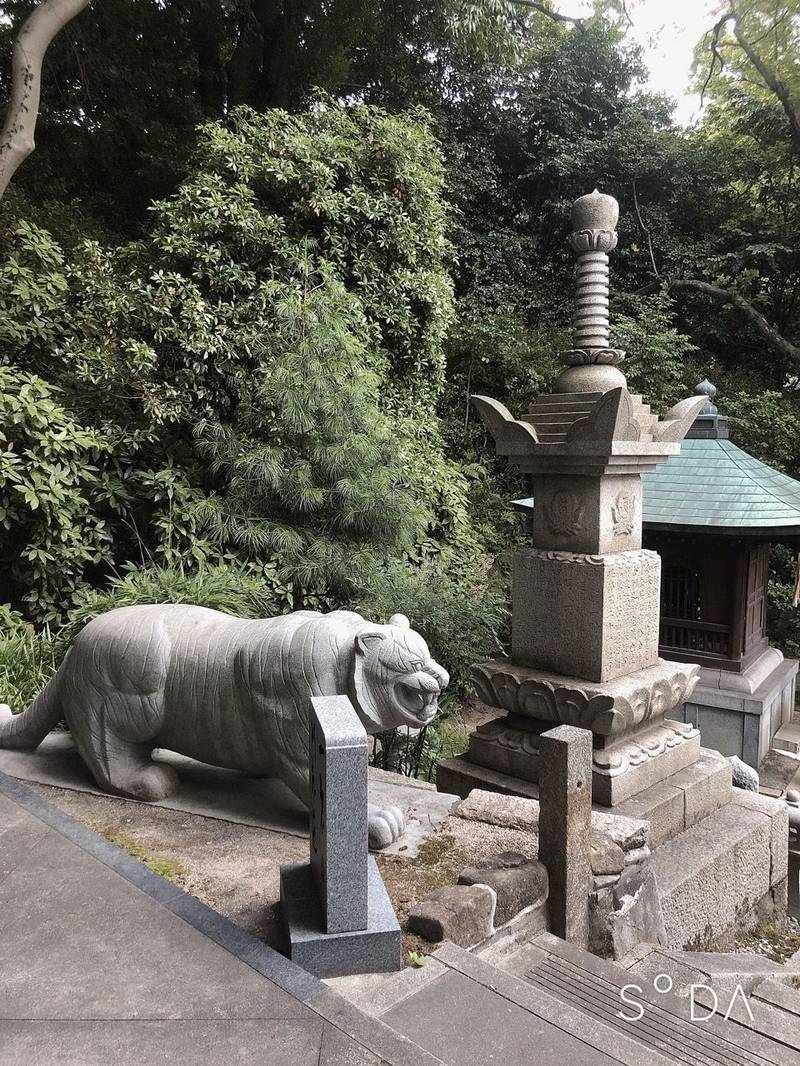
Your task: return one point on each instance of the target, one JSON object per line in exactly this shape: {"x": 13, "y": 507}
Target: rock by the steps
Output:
{"x": 517, "y": 812}
{"x": 462, "y": 914}
{"x": 510, "y": 812}
{"x": 636, "y": 916}
{"x": 744, "y": 776}
{"x": 518, "y": 881}
{"x": 636, "y": 855}
{"x": 629, "y": 833}
{"x": 607, "y": 857}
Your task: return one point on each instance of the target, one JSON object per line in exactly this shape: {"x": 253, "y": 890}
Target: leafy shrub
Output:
{"x": 309, "y": 464}
{"x": 27, "y": 661}
{"x": 54, "y": 494}
{"x": 783, "y": 618}
{"x": 220, "y": 587}
{"x": 261, "y": 368}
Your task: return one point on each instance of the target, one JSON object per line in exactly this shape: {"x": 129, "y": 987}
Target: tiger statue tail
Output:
{"x": 28, "y": 730}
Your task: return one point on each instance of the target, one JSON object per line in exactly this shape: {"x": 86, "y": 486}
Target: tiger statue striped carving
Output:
{"x": 227, "y": 691}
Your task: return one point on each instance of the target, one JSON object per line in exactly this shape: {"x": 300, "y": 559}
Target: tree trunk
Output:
{"x": 38, "y": 30}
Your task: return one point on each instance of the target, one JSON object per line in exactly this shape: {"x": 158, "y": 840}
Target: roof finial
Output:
{"x": 705, "y": 388}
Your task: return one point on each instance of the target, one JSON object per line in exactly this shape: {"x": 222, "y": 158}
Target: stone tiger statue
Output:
{"x": 227, "y": 691}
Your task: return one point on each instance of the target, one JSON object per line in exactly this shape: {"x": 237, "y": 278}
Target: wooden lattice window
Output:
{"x": 680, "y": 593}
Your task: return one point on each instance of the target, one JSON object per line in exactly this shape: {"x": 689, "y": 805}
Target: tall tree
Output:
{"x": 30, "y": 45}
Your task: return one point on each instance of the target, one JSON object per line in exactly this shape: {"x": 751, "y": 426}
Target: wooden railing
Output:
{"x": 707, "y": 638}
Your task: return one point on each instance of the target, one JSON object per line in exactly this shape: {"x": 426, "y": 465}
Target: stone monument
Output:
{"x": 338, "y": 916}
{"x": 585, "y": 594}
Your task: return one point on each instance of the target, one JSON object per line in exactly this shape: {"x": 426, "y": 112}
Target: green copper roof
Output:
{"x": 713, "y": 485}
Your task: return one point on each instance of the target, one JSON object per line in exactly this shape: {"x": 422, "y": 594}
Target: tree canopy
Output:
{"x": 265, "y": 250}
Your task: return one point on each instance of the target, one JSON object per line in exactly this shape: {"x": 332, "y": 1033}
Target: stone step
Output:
{"x": 724, "y": 875}
{"x": 683, "y": 799}
{"x": 555, "y": 417}
{"x": 660, "y": 981}
{"x": 788, "y": 738}
{"x": 562, "y": 1005}
{"x": 708, "y": 977}
{"x": 377, "y": 993}
{"x": 670, "y": 806}
{"x": 576, "y": 399}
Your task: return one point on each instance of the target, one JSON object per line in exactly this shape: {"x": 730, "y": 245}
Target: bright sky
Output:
{"x": 668, "y": 30}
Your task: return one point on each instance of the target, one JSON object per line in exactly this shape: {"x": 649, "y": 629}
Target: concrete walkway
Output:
{"x": 102, "y": 961}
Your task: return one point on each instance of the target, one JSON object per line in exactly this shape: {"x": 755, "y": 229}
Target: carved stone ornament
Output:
{"x": 624, "y": 755}
{"x": 591, "y": 356}
{"x": 623, "y": 514}
{"x": 593, "y": 240}
{"x": 630, "y": 752}
{"x": 564, "y": 514}
{"x": 620, "y": 708}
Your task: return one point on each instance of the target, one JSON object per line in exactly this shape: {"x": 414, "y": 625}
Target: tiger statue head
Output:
{"x": 395, "y": 681}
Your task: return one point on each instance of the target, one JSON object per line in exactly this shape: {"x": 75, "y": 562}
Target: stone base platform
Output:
{"x": 673, "y": 805}
{"x": 740, "y": 714}
{"x": 726, "y": 874}
{"x": 683, "y": 799}
{"x": 505, "y": 752}
{"x": 376, "y": 949}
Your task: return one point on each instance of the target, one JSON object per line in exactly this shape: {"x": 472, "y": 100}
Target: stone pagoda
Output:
{"x": 585, "y": 628}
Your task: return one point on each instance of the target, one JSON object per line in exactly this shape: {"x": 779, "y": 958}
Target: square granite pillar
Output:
{"x": 338, "y": 916}
{"x": 565, "y": 828}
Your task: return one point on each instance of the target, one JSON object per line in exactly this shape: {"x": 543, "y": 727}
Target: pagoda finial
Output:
{"x": 594, "y": 235}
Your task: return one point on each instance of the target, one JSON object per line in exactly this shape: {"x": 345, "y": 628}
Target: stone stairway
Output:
{"x": 719, "y": 853}
{"x": 550, "y": 1003}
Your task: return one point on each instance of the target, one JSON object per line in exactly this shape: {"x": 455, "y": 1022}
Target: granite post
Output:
{"x": 338, "y": 765}
{"x": 584, "y": 642}
{"x": 338, "y": 917}
{"x": 565, "y": 828}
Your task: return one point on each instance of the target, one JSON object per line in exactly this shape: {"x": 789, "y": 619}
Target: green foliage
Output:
{"x": 464, "y": 618}
{"x": 418, "y": 754}
{"x": 262, "y": 368}
{"x": 54, "y": 491}
{"x": 783, "y": 618}
{"x": 222, "y": 588}
{"x": 658, "y": 365}
{"x": 766, "y": 424}
{"x": 310, "y": 471}
{"x": 27, "y": 661}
